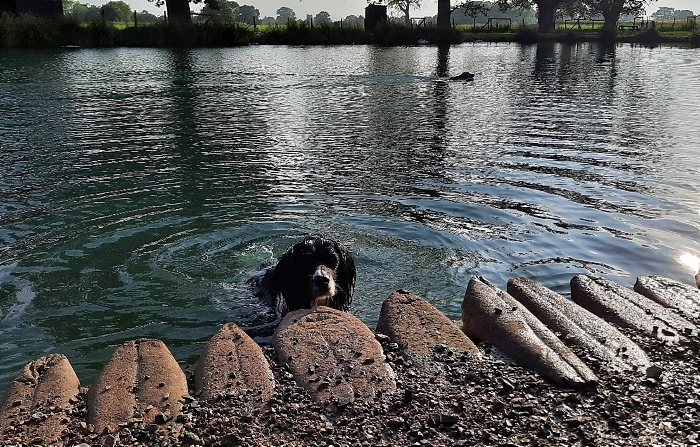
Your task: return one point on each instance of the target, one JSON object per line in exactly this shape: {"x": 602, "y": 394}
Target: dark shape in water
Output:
{"x": 466, "y": 76}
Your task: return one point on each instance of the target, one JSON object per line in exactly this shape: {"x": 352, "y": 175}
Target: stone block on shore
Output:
{"x": 333, "y": 355}
{"x": 40, "y": 400}
{"x": 670, "y": 293}
{"x": 617, "y": 304}
{"x": 490, "y": 314}
{"x": 577, "y": 327}
{"x": 418, "y": 327}
{"x": 141, "y": 381}
{"x": 233, "y": 365}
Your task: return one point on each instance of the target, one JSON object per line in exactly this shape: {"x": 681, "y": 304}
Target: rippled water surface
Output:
{"x": 139, "y": 189}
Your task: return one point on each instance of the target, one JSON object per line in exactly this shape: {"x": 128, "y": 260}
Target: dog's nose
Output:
{"x": 320, "y": 279}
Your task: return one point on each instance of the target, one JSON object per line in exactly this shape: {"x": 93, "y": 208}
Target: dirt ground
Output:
{"x": 448, "y": 399}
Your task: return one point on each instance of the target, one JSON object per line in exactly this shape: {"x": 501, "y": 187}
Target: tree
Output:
{"x": 322, "y": 17}
{"x": 546, "y": 10}
{"x": 248, "y": 14}
{"x": 664, "y": 13}
{"x": 470, "y": 8}
{"x": 146, "y": 17}
{"x": 68, "y": 7}
{"x": 179, "y": 10}
{"x": 444, "y": 13}
{"x": 117, "y": 11}
{"x": 86, "y": 13}
{"x": 221, "y": 11}
{"x": 354, "y": 20}
{"x": 284, "y": 15}
{"x": 611, "y": 10}
{"x": 683, "y": 14}
{"x": 404, "y": 6}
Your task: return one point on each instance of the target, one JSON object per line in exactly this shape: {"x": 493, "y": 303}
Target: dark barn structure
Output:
{"x": 39, "y": 8}
{"x": 373, "y": 15}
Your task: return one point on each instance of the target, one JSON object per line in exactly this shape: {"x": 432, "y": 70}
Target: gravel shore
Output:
{"x": 447, "y": 399}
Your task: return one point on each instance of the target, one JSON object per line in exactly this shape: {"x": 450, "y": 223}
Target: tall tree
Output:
{"x": 67, "y": 6}
{"x": 470, "y": 8}
{"x": 664, "y": 12}
{"x": 179, "y": 10}
{"x": 222, "y": 11}
{"x": 444, "y": 13}
{"x": 85, "y": 12}
{"x": 146, "y": 17}
{"x": 354, "y": 20}
{"x": 611, "y": 10}
{"x": 117, "y": 11}
{"x": 248, "y": 14}
{"x": 284, "y": 15}
{"x": 322, "y": 17}
{"x": 546, "y": 10}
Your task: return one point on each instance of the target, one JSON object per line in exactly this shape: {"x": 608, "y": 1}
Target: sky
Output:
{"x": 339, "y": 9}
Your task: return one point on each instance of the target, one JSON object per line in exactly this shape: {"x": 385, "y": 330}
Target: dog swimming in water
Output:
{"x": 313, "y": 272}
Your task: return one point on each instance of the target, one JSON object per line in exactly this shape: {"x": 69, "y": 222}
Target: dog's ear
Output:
{"x": 284, "y": 280}
{"x": 346, "y": 275}
{"x": 283, "y": 270}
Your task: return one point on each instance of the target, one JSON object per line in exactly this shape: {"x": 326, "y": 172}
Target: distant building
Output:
{"x": 39, "y": 8}
{"x": 373, "y": 15}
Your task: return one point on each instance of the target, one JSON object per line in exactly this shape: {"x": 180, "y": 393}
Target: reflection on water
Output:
{"x": 141, "y": 188}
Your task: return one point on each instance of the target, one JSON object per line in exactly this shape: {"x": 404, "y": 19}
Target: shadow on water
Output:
{"x": 442, "y": 67}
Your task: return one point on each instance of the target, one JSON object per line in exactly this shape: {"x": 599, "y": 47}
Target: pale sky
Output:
{"x": 339, "y": 9}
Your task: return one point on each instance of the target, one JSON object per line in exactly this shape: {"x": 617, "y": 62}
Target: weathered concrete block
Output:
{"x": 417, "y": 326}
{"x": 670, "y": 293}
{"x": 490, "y": 314}
{"x": 39, "y": 400}
{"x": 622, "y": 306}
{"x": 578, "y": 327}
{"x": 333, "y": 355}
{"x": 232, "y": 364}
{"x": 140, "y": 381}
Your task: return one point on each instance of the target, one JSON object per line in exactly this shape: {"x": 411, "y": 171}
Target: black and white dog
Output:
{"x": 314, "y": 272}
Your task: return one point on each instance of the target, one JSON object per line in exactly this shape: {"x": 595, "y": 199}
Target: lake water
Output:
{"x": 140, "y": 188}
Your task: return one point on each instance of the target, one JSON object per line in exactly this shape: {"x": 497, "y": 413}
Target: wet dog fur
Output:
{"x": 313, "y": 272}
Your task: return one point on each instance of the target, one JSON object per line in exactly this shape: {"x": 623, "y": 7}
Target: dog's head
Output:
{"x": 315, "y": 272}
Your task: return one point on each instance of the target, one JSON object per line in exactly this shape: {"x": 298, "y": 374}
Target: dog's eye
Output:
{"x": 331, "y": 261}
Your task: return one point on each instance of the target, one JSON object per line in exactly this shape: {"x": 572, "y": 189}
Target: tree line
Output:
{"x": 178, "y": 11}
{"x": 114, "y": 11}
{"x": 547, "y": 10}
{"x": 217, "y": 11}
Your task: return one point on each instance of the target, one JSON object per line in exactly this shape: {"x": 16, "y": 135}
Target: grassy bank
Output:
{"x": 32, "y": 32}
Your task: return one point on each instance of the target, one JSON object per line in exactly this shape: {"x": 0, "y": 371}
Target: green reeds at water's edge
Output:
{"x": 32, "y": 32}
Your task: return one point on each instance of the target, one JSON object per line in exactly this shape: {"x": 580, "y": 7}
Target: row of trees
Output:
{"x": 219, "y": 11}
{"x": 227, "y": 10}
{"x": 666, "y": 13}
{"x": 114, "y": 11}
{"x": 610, "y": 10}
{"x": 285, "y": 14}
